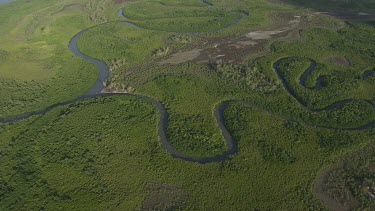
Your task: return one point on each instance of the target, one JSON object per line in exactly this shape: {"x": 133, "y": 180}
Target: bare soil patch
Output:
{"x": 261, "y": 35}
{"x": 349, "y": 184}
{"x": 340, "y": 60}
{"x": 251, "y": 44}
{"x": 371, "y": 166}
{"x": 181, "y": 57}
{"x": 163, "y": 197}
{"x": 227, "y": 50}
{"x": 321, "y": 192}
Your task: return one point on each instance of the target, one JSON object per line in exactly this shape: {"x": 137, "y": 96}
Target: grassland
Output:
{"x": 36, "y": 67}
{"x": 186, "y": 16}
{"x": 118, "y": 41}
{"x": 196, "y": 16}
{"x": 37, "y": 64}
{"x": 104, "y": 153}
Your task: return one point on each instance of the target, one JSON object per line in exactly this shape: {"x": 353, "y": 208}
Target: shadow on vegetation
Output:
{"x": 352, "y": 6}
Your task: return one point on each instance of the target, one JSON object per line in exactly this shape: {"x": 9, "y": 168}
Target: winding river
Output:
{"x": 5, "y": 1}
{"x": 121, "y": 13}
{"x": 97, "y": 87}
{"x": 317, "y": 86}
{"x": 368, "y": 73}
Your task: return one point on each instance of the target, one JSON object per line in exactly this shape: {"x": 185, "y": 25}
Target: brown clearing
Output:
{"x": 163, "y": 197}
{"x": 320, "y": 192}
{"x": 340, "y": 60}
{"x": 239, "y": 49}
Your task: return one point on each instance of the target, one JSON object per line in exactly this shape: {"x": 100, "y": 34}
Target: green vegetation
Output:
{"x": 105, "y": 153}
{"x": 247, "y": 77}
{"x": 175, "y": 16}
{"x": 343, "y": 81}
{"x": 54, "y": 174}
{"x": 114, "y": 41}
{"x": 194, "y": 15}
{"x": 192, "y": 128}
{"x": 36, "y": 68}
{"x": 94, "y": 154}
